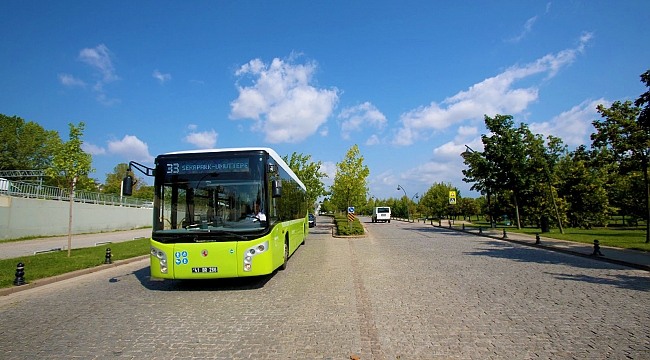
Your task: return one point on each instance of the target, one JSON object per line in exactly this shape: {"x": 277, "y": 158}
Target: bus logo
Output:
{"x": 204, "y": 253}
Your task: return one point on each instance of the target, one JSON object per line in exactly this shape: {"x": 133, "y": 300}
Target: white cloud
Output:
{"x": 328, "y": 168}
{"x": 364, "y": 115}
{"x": 69, "y": 80}
{"x": 131, "y": 148}
{"x": 373, "y": 140}
{"x": 92, "y": 149}
{"x": 99, "y": 58}
{"x": 285, "y": 107}
{"x": 495, "y": 95}
{"x": 574, "y": 126}
{"x": 527, "y": 28}
{"x": 161, "y": 77}
{"x": 192, "y": 126}
{"x": 202, "y": 140}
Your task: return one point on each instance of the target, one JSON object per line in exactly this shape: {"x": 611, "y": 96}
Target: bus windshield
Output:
{"x": 209, "y": 198}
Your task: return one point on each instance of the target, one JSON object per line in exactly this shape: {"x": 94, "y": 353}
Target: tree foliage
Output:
{"x": 25, "y": 145}
{"x": 350, "y": 186}
{"x": 309, "y": 173}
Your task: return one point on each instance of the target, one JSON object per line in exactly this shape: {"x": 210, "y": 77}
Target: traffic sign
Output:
{"x": 350, "y": 209}
{"x": 452, "y": 198}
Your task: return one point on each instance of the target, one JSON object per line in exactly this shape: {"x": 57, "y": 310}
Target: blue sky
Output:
{"x": 407, "y": 81}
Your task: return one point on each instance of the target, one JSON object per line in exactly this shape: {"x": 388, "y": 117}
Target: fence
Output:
{"x": 37, "y": 191}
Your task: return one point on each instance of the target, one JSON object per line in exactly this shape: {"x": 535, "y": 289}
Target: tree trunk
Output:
{"x": 517, "y": 210}
{"x": 557, "y": 213}
{"x": 647, "y": 199}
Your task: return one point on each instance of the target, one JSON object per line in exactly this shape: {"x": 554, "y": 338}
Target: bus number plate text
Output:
{"x": 204, "y": 269}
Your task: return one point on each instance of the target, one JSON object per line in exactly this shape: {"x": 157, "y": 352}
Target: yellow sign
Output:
{"x": 452, "y": 197}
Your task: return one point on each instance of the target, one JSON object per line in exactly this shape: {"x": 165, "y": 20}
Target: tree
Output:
{"x": 436, "y": 199}
{"x": 113, "y": 184}
{"x": 351, "y": 180}
{"x": 625, "y": 131}
{"x": 71, "y": 163}
{"x": 309, "y": 173}
{"x": 25, "y": 146}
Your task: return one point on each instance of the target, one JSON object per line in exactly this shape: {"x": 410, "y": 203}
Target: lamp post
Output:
{"x": 408, "y": 211}
{"x": 417, "y": 196}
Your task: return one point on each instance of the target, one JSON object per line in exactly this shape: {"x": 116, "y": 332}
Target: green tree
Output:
{"x": 70, "y": 163}
{"x": 625, "y": 131}
{"x": 309, "y": 173}
{"x": 435, "y": 200}
{"x": 25, "y": 145}
{"x": 351, "y": 181}
{"x": 468, "y": 207}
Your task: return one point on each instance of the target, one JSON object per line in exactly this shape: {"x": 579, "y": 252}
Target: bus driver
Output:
{"x": 258, "y": 214}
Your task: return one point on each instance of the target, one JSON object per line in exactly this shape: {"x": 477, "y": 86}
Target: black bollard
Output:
{"x": 108, "y": 256}
{"x": 538, "y": 241}
{"x": 597, "y": 249}
{"x": 20, "y": 275}
{"x": 505, "y": 235}
{"x": 463, "y": 226}
{"x": 480, "y": 230}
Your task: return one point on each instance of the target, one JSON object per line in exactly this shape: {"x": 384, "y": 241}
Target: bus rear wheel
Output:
{"x": 286, "y": 255}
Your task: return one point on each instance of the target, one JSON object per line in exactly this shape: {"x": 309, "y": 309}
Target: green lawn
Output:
{"x": 628, "y": 238}
{"x": 57, "y": 263}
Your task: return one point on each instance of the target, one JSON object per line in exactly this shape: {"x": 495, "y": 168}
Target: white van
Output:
{"x": 381, "y": 213}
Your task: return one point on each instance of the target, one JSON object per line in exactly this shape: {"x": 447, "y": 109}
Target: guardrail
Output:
{"x": 37, "y": 191}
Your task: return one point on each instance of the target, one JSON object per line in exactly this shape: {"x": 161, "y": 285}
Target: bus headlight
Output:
{"x": 162, "y": 259}
{"x": 253, "y": 251}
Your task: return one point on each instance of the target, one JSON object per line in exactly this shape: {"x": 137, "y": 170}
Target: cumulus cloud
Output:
{"x": 71, "y": 81}
{"x": 495, "y": 95}
{"x": 202, "y": 140}
{"x": 573, "y": 126}
{"x": 92, "y": 149}
{"x": 281, "y": 101}
{"x": 161, "y": 77}
{"x": 132, "y": 148}
{"x": 364, "y": 115}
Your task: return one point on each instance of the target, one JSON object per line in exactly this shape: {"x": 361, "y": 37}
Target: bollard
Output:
{"x": 538, "y": 241}
{"x": 463, "y": 226}
{"x": 480, "y": 230}
{"x": 20, "y": 275}
{"x": 505, "y": 235}
{"x": 439, "y": 222}
{"x": 108, "y": 256}
{"x": 597, "y": 249}
{"x": 450, "y": 224}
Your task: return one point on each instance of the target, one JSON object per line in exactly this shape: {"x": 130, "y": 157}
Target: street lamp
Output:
{"x": 408, "y": 211}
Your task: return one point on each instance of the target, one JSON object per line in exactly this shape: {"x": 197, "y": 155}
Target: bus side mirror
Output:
{"x": 276, "y": 188}
{"x": 127, "y": 186}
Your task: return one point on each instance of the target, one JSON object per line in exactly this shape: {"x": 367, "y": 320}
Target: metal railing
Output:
{"x": 37, "y": 191}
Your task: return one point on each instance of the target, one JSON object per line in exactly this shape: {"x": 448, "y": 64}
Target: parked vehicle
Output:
{"x": 381, "y": 213}
{"x": 312, "y": 220}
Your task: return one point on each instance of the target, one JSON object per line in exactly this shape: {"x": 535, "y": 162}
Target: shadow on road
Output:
{"x": 245, "y": 283}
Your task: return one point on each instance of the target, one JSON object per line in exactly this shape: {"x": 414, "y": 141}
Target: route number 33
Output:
{"x": 173, "y": 168}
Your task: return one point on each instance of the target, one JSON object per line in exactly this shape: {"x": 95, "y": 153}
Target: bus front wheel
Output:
{"x": 286, "y": 255}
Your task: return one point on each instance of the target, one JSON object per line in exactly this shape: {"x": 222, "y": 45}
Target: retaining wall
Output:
{"x": 21, "y": 217}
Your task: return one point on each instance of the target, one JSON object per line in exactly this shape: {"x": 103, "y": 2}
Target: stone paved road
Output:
{"x": 404, "y": 292}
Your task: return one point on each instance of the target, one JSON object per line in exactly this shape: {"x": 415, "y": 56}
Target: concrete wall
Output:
{"x": 21, "y": 217}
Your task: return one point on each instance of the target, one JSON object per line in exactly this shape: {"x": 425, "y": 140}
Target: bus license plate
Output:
{"x": 205, "y": 269}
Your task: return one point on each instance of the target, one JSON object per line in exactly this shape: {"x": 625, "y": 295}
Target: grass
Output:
{"x": 344, "y": 228}
{"x": 626, "y": 238}
{"x": 57, "y": 263}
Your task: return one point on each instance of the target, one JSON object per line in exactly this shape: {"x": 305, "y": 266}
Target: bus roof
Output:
{"x": 278, "y": 159}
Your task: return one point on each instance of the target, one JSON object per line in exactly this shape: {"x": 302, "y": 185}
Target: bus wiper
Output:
{"x": 218, "y": 232}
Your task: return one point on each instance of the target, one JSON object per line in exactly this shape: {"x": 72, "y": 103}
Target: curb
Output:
{"x": 69, "y": 275}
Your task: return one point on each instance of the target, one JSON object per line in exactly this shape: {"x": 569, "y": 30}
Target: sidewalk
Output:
{"x": 14, "y": 249}
{"x": 627, "y": 257}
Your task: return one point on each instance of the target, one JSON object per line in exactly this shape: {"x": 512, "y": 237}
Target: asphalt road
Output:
{"x": 403, "y": 292}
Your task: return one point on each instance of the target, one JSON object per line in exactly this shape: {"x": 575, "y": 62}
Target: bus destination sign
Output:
{"x": 208, "y": 166}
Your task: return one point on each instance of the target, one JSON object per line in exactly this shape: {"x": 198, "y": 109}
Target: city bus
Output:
{"x": 224, "y": 213}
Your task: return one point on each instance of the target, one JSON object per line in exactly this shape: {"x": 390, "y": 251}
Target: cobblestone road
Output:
{"x": 404, "y": 292}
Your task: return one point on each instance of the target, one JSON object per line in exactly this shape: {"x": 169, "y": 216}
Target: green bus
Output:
{"x": 224, "y": 213}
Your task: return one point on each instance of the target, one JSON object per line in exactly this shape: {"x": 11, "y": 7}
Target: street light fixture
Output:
{"x": 408, "y": 211}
